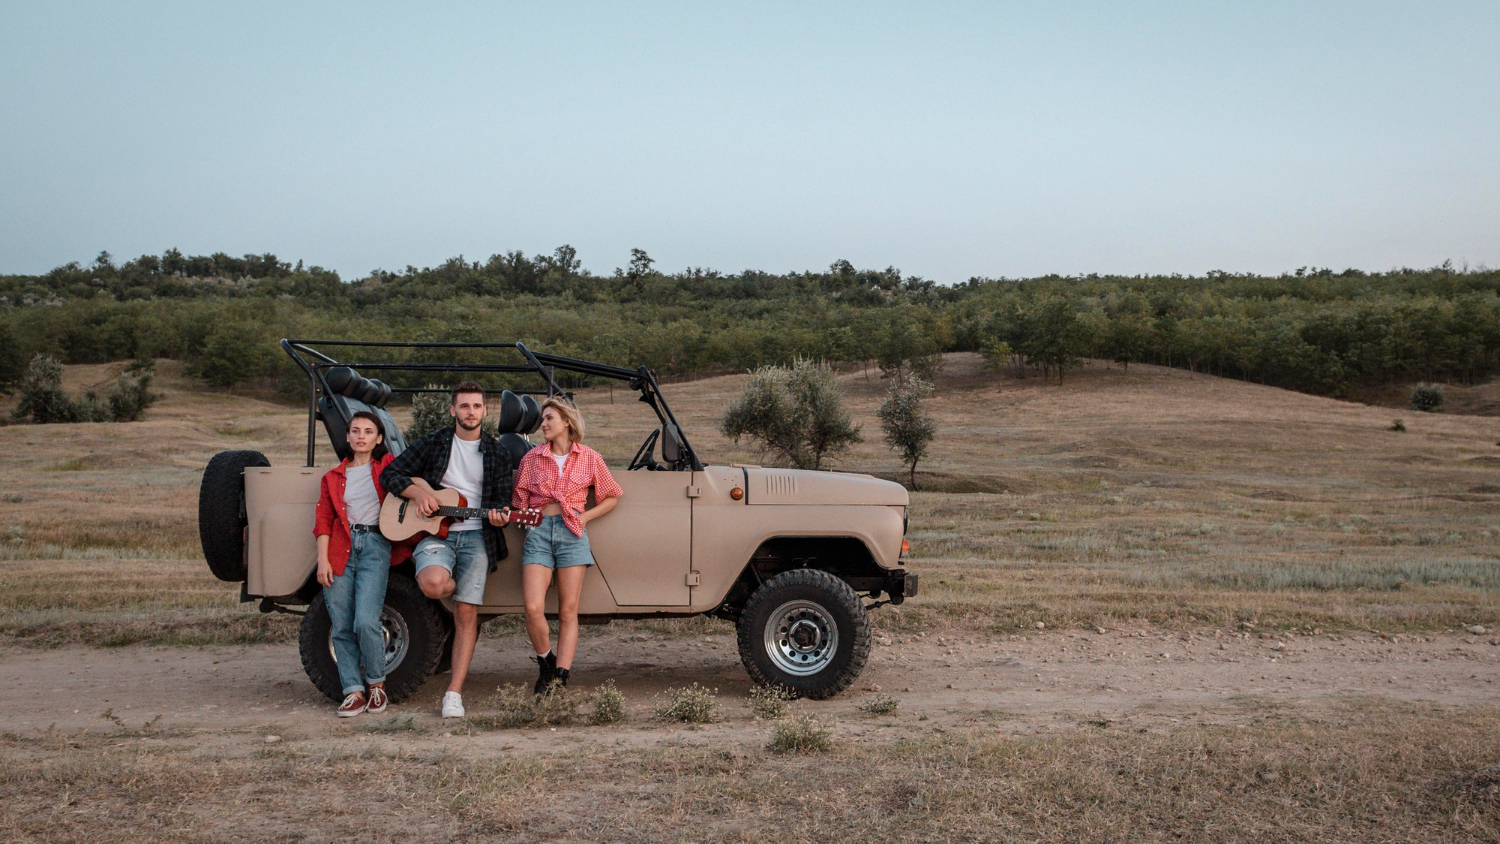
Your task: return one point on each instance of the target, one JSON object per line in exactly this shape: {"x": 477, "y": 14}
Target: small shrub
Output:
{"x": 769, "y": 701}
{"x": 93, "y": 408}
{"x": 515, "y": 706}
{"x": 1398, "y": 426}
{"x": 131, "y": 394}
{"x": 609, "y": 705}
{"x": 1427, "y": 398}
{"x": 801, "y": 734}
{"x": 43, "y": 400}
{"x": 429, "y": 412}
{"x": 692, "y": 705}
{"x": 880, "y": 705}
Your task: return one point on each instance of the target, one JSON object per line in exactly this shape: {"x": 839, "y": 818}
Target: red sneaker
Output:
{"x": 353, "y": 704}
{"x": 378, "y": 700}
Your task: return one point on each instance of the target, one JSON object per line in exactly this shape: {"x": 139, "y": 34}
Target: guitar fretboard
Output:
{"x": 462, "y": 512}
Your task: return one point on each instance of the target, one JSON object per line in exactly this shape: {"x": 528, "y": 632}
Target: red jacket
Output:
{"x": 333, "y": 522}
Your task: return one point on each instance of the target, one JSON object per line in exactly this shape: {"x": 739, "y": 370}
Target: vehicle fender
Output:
{"x": 725, "y": 538}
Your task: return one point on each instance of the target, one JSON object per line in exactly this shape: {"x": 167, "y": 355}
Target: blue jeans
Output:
{"x": 354, "y": 603}
{"x": 551, "y": 544}
{"x": 463, "y": 555}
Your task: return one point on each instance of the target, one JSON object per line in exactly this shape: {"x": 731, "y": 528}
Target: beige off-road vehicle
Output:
{"x": 790, "y": 556}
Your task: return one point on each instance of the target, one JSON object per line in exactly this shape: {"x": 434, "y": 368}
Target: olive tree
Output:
{"x": 908, "y": 429}
{"x": 43, "y": 399}
{"x": 793, "y": 412}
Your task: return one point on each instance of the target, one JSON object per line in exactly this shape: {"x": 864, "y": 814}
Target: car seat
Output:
{"x": 351, "y": 393}
{"x": 513, "y": 431}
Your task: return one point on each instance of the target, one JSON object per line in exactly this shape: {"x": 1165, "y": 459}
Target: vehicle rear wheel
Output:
{"x": 416, "y": 633}
{"x": 804, "y": 630}
{"x": 221, "y": 512}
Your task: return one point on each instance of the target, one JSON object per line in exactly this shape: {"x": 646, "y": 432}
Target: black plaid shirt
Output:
{"x": 427, "y": 459}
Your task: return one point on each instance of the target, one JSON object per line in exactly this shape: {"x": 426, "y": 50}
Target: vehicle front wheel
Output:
{"x": 804, "y": 630}
{"x": 416, "y": 633}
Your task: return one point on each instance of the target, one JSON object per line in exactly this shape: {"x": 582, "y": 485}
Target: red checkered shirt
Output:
{"x": 539, "y": 484}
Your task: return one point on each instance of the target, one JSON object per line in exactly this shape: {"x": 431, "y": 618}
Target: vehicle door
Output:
{"x": 643, "y": 548}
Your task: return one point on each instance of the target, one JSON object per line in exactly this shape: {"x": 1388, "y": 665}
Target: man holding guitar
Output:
{"x": 456, "y": 562}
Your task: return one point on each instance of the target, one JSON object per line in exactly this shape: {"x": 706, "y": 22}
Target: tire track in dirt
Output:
{"x": 1139, "y": 679}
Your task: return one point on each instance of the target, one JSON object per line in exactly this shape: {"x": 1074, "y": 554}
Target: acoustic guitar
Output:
{"x": 401, "y": 521}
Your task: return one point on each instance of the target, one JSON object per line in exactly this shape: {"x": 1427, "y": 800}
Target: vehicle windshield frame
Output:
{"x": 313, "y": 357}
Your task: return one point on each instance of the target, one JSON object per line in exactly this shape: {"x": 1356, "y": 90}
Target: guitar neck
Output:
{"x": 462, "y": 512}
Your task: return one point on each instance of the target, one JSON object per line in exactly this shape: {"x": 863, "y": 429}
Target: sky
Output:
{"x": 949, "y": 140}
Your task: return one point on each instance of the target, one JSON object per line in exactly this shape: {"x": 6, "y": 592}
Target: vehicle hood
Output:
{"x": 807, "y": 488}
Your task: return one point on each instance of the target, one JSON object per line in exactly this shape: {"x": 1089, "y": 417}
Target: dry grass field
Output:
{"x": 1165, "y": 530}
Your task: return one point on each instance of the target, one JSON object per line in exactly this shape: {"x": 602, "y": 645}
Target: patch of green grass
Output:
{"x": 77, "y": 464}
{"x": 880, "y": 705}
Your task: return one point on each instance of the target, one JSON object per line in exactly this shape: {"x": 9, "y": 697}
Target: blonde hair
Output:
{"x": 569, "y": 413}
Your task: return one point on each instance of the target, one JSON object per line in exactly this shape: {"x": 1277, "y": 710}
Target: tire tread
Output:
{"x": 221, "y": 525}
{"x": 842, "y": 599}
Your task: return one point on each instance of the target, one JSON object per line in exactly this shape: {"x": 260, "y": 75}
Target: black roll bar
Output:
{"x": 307, "y": 355}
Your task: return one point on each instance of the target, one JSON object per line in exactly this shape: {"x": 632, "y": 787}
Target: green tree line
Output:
{"x": 1313, "y": 330}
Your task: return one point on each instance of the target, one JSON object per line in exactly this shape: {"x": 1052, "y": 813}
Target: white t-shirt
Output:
{"x": 560, "y": 459}
{"x": 360, "y": 501}
{"x": 466, "y": 474}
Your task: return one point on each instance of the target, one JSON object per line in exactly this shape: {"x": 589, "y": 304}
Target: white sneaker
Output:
{"x": 453, "y": 705}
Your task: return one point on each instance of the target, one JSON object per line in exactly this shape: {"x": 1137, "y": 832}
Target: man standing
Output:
{"x": 464, "y": 458}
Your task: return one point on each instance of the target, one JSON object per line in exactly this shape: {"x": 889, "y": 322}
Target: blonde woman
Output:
{"x": 556, "y": 477}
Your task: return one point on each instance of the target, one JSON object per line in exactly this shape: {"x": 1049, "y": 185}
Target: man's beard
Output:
{"x": 467, "y": 427}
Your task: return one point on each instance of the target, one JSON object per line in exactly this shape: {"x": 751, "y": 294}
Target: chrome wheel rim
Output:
{"x": 397, "y": 639}
{"x": 801, "y": 638}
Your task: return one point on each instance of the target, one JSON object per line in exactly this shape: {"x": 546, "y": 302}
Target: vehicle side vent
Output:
{"x": 779, "y": 485}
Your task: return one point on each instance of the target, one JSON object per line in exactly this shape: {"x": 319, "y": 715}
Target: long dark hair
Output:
{"x": 380, "y": 449}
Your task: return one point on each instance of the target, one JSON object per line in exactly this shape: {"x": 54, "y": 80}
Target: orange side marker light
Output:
{"x": 736, "y": 493}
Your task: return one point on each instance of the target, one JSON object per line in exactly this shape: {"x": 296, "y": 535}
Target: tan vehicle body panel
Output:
{"x": 675, "y": 543}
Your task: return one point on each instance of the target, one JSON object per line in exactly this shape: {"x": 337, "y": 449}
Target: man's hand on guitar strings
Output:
{"x": 500, "y": 518}
{"x": 427, "y": 504}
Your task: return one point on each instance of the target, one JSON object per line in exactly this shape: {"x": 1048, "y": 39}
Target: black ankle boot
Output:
{"x": 562, "y": 676}
{"x": 546, "y": 672}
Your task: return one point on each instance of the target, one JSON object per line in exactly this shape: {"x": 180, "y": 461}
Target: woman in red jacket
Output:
{"x": 354, "y": 563}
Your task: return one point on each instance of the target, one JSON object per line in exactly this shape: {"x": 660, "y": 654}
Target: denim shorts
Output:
{"x": 551, "y": 544}
{"x": 463, "y": 555}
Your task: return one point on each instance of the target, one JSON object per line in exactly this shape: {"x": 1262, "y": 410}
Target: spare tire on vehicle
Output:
{"x": 221, "y": 512}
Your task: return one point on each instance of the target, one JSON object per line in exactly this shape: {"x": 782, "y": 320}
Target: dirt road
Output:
{"x": 1049, "y": 680}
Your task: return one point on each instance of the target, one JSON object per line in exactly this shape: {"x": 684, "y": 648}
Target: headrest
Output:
{"x": 339, "y": 377}
{"x": 369, "y": 391}
{"x": 533, "y": 418}
{"x": 517, "y": 445}
{"x": 385, "y": 393}
{"x": 512, "y": 413}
